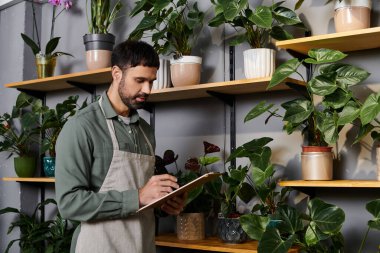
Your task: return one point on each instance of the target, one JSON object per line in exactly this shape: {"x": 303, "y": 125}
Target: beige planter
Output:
{"x": 259, "y": 62}
{"x": 317, "y": 165}
{"x": 98, "y": 59}
{"x": 98, "y": 50}
{"x": 186, "y": 71}
{"x": 191, "y": 226}
{"x": 352, "y": 15}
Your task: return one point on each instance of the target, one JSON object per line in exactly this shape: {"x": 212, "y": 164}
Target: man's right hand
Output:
{"x": 157, "y": 187}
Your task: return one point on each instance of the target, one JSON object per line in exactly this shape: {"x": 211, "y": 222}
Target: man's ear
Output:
{"x": 116, "y": 74}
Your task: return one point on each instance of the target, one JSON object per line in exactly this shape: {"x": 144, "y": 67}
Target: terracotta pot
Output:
{"x": 352, "y": 15}
{"x": 191, "y": 226}
{"x": 185, "y": 71}
{"x": 316, "y": 149}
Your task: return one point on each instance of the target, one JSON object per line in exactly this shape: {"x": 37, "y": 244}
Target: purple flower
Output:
{"x": 68, "y": 4}
{"x": 193, "y": 164}
{"x": 55, "y": 2}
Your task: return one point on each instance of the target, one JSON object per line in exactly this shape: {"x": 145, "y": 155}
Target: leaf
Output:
{"x": 248, "y": 148}
{"x": 313, "y": 235}
{"x": 246, "y": 192}
{"x": 291, "y": 220}
{"x": 324, "y": 84}
{"x": 298, "y": 4}
{"x": 363, "y": 131}
{"x": 284, "y": 71}
{"x": 286, "y": 16}
{"x": 254, "y": 225}
{"x": 260, "y": 157}
{"x": 349, "y": 113}
{"x": 262, "y": 17}
{"x": 324, "y": 55}
{"x": 35, "y": 48}
{"x": 260, "y": 176}
{"x": 256, "y": 111}
{"x": 207, "y": 160}
{"x": 337, "y": 99}
{"x": 297, "y": 110}
{"x": 373, "y": 207}
{"x": 351, "y": 75}
{"x": 370, "y": 108}
{"x": 327, "y": 124}
{"x": 147, "y": 23}
{"x": 278, "y": 33}
{"x": 52, "y": 45}
{"x": 271, "y": 242}
{"x": 238, "y": 40}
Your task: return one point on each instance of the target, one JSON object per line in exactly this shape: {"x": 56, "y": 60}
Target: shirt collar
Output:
{"x": 110, "y": 112}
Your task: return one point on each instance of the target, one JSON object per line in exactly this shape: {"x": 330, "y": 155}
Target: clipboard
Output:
{"x": 185, "y": 188}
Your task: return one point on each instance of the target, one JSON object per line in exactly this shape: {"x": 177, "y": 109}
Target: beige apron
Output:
{"x": 134, "y": 234}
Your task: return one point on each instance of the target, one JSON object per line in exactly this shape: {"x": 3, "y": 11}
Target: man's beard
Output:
{"x": 129, "y": 101}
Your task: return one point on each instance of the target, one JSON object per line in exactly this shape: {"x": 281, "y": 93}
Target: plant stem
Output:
{"x": 52, "y": 23}
{"x": 364, "y": 240}
{"x": 35, "y": 24}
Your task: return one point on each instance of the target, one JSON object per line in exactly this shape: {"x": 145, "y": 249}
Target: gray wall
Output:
{"x": 183, "y": 125}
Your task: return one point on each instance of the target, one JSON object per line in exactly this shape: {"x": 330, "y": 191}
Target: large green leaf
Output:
{"x": 327, "y": 217}
{"x": 324, "y": 84}
{"x": 286, "y": 16}
{"x": 254, "y": 225}
{"x": 260, "y": 157}
{"x": 141, "y": 5}
{"x": 246, "y": 192}
{"x": 279, "y": 33}
{"x": 35, "y": 48}
{"x": 349, "y": 113}
{"x": 256, "y": 111}
{"x": 147, "y": 23}
{"x": 351, "y": 75}
{"x": 230, "y": 9}
{"x": 284, "y": 71}
{"x": 364, "y": 130}
{"x": 262, "y": 17}
{"x": 207, "y": 160}
{"x": 327, "y": 124}
{"x": 324, "y": 55}
{"x": 52, "y": 45}
{"x": 313, "y": 234}
{"x": 218, "y": 20}
{"x": 260, "y": 176}
{"x": 337, "y": 99}
{"x": 272, "y": 242}
{"x": 290, "y": 217}
{"x": 373, "y": 207}
{"x": 297, "y": 110}
{"x": 247, "y": 149}
{"x": 370, "y": 108}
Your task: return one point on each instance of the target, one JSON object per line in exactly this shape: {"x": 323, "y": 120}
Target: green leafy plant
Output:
{"x": 261, "y": 183}
{"x": 317, "y": 230}
{"x": 174, "y": 25}
{"x": 205, "y": 197}
{"x": 258, "y": 25}
{"x": 18, "y": 130}
{"x": 102, "y": 15}
{"x": 53, "y": 121}
{"x": 36, "y": 236}
{"x": 58, "y": 6}
{"x": 373, "y": 207}
{"x": 331, "y": 80}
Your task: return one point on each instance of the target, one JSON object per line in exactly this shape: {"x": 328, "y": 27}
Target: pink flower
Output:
{"x": 55, "y": 2}
{"x": 68, "y": 4}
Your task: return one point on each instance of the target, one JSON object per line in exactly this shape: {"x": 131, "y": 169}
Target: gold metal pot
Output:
{"x": 45, "y": 66}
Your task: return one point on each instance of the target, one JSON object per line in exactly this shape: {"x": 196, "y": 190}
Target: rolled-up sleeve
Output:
{"x": 76, "y": 197}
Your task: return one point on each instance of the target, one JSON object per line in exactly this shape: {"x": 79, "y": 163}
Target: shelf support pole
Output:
{"x": 37, "y": 94}
{"x": 86, "y": 87}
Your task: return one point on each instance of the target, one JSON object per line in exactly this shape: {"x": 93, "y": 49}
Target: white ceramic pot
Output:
{"x": 317, "y": 165}
{"x": 259, "y": 62}
{"x": 352, "y": 15}
{"x": 185, "y": 70}
{"x": 163, "y": 75}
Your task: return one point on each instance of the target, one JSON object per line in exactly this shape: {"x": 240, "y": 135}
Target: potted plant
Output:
{"x": 320, "y": 122}
{"x": 51, "y": 125}
{"x": 46, "y": 61}
{"x": 246, "y": 182}
{"x": 174, "y": 27}
{"x": 200, "y": 201}
{"x": 99, "y": 42}
{"x": 47, "y": 236}
{"x": 256, "y": 26}
{"x": 372, "y": 207}
{"x": 18, "y": 133}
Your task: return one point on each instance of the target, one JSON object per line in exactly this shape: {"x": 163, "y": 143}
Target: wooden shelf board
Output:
{"x": 333, "y": 183}
{"x": 93, "y": 77}
{"x": 244, "y": 86}
{"x": 209, "y": 244}
{"x": 30, "y": 179}
{"x": 344, "y": 41}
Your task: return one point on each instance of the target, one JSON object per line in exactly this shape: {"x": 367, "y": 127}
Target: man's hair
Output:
{"x": 131, "y": 53}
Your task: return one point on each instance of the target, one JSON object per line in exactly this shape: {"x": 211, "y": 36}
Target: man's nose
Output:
{"x": 146, "y": 88}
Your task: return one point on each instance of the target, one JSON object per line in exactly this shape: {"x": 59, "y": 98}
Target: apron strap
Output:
{"x": 147, "y": 141}
{"x": 111, "y": 128}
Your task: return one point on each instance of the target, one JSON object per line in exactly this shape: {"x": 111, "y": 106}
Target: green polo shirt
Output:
{"x": 84, "y": 154}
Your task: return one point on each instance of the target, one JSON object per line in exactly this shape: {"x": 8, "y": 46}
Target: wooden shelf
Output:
{"x": 103, "y": 76}
{"x": 92, "y": 77}
{"x": 344, "y": 41}
{"x": 30, "y": 179}
{"x": 237, "y": 87}
{"x": 209, "y": 244}
{"x": 333, "y": 183}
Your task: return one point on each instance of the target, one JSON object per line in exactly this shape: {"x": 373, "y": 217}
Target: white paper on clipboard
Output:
{"x": 186, "y": 188}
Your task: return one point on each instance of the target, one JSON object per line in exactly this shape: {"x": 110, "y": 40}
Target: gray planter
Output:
{"x": 99, "y": 41}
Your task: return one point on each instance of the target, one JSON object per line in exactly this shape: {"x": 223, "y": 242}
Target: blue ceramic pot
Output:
{"x": 49, "y": 166}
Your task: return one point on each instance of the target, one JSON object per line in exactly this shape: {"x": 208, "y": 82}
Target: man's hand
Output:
{"x": 175, "y": 205}
{"x": 157, "y": 187}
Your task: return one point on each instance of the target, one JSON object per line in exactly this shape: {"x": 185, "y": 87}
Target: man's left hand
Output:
{"x": 175, "y": 205}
